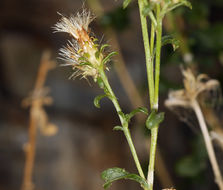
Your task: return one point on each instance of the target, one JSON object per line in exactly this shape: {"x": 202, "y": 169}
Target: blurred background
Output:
{"x": 85, "y": 143}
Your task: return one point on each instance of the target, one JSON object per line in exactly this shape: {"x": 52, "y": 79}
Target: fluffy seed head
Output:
{"x": 75, "y": 25}
{"x": 81, "y": 52}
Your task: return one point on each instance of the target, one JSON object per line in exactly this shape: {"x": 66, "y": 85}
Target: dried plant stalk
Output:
{"x": 208, "y": 143}
{"x": 187, "y": 98}
{"x": 37, "y": 116}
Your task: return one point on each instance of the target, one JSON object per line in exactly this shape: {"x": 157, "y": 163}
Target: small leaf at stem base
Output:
{"x": 112, "y": 174}
{"x": 171, "y": 40}
{"x": 97, "y": 100}
{"x": 118, "y": 128}
{"x": 135, "y": 111}
{"x": 154, "y": 119}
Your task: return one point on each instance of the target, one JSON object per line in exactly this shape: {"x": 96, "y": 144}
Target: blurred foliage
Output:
{"x": 193, "y": 167}
{"x": 117, "y": 19}
{"x": 194, "y": 164}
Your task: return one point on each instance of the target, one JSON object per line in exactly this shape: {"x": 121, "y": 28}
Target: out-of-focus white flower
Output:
{"x": 199, "y": 87}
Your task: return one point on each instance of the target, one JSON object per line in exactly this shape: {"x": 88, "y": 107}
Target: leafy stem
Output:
{"x": 152, "y": 38}
{"x": 153, "y": 90}
{"x": 108, "y": 90}
{"x": 149, "y": 60}
{"x": 158, "y": 52}
{"x": 154, "y": 131}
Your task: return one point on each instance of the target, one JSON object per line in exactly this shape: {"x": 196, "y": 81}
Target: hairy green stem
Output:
{"x": 149, "y": 61}
{"x": 158, "y": 53}
{"x": 123, "y": 122}
{"x": 154, "y": 131}
{"x": 152, "y": 38}
{"x": 153, "y": 91}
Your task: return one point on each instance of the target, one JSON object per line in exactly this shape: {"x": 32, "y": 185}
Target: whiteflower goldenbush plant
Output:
{"x": 88, "y": 60}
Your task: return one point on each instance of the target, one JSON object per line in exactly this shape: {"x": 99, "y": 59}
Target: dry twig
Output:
{"x": 188, "y": 98}
{"x": 38, "y": 118}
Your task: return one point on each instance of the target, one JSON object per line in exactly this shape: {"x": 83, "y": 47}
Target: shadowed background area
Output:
{"x": 85, "y": 143}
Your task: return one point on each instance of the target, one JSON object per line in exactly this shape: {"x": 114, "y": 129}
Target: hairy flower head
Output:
{"x": 82, "y": 52}
{"x": 77, "y": 25}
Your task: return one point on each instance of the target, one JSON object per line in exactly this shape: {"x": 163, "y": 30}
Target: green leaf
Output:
{"x": 186, "y": 3}
{"x": 147, "y": 9}
{"x": 170, "y": 40}
{"x": 112, "y": 174}
{"x": 118, "y": 128}
{"x": 126, "y": 3}
{"x": 97, "y": 100}
{"x": 154, "y": 119}
{"x": 107, "y": 58}
{"x": 171, "y": 6}
{"x": 82, "y": 59}
{"x": 100, "y": 83}
{"x": 135, "y": 111}
{"x": 97, "y": 53}
{"x": 86, "y": 55}
{"x": 103, "y": 47}
{"x": 85, "y": 63}
{"x": 178, "y": 4}
{"x": 121, "y": 114}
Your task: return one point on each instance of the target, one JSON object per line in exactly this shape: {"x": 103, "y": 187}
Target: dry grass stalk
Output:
{"x": 38, "y": 118}
{"x": 188, "y": 98}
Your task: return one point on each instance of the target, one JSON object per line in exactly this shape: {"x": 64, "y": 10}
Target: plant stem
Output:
{"x": 149, "y": 60}
{"x": 150, "y": 176}
{"x": 154, "y": 131}
{"x": 36, "y": 105}
{"x": 152, "y": 38}
{"x": 30, "y": 153}
{"x": 208, "y": 143}
{"x": 123, "y": 122}
{"x": 158, "y": 53}
{"x": 149, "y": 65}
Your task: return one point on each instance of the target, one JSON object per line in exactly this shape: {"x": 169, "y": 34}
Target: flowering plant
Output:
{"x": 88, "y": 58}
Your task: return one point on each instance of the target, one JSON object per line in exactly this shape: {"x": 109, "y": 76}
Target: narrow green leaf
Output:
{"x": 121, "y": 114}
{"x": 168, "y": 39}
{"x": 186, "y": 3}
{"x": 85, "y": 63}
{"x": 173, "y": 6}
{"x": 112, "y": 174}
{"x": 103, "y": 47}
{"x": 147, "y": 9}
{"x": 97, "y": 100}
{"x": 82, "y": 59}
{"x": 154, "y": 119}
{"x": 86, "y": 55}
{"x": 143, "y": 110}
{"x": 100, "y": 83}
{"x": 107, "y": 58}
{"x": 135, "y": 111}
{"x": 118, "y": 128}
{"x": 126, "y": 3}
{"x": 178, "y": 4}
{"x": 97, "y": 53}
